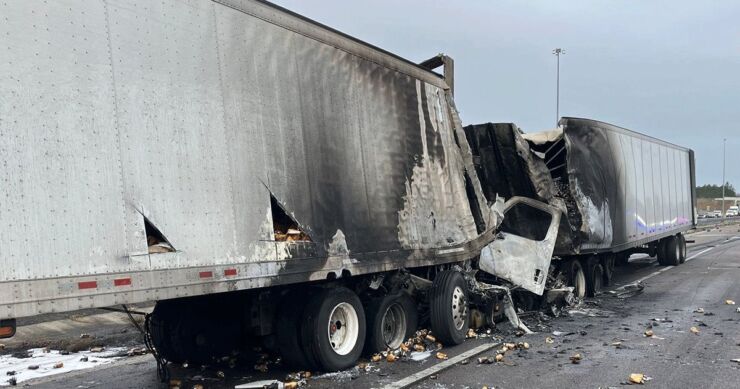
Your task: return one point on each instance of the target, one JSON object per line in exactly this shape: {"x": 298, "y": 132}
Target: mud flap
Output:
{"x": 520, "y": 260}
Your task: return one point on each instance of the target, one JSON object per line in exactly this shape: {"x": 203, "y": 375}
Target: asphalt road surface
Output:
{"x": 608, "y": 332}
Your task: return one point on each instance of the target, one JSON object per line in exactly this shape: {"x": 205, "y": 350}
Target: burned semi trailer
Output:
{"x": 264, "y": 178}
{"x": 620, "y": 192}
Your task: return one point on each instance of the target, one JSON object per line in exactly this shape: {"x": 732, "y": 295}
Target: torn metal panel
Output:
{"x": 482, "y": 288}
{"x": 465, "y": 149}
{"x": 506, "y": 163}
{"x": 508, "y": 167}
{"x": 520, "y": 260}
{"x": 432, "y": 215}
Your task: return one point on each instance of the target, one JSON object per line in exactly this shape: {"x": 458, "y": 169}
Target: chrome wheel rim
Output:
{"x": 343, "y": 328}
{"x": 459, "y": 307}
{"x": 393, "y": 326}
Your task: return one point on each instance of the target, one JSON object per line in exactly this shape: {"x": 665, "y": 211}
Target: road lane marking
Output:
{"x": 698, "y": 254}
{"x": 414, "y": 378}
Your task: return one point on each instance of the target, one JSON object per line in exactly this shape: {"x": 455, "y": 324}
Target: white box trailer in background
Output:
{"x": 263, "y": 177}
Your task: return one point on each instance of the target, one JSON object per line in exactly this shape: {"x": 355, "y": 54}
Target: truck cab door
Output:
{"x": 523, "y": 248}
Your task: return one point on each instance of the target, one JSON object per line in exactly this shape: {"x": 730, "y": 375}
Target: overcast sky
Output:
{"x": 670, "y": 69}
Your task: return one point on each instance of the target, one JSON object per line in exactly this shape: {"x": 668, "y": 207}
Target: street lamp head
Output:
{"x": 558, "y": 51}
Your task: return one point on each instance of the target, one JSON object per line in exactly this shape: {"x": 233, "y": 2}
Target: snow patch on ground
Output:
{"x": 46, "y": 362}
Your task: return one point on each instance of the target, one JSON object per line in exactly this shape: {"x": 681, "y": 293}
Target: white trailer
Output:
{"x": 237, "y": 163}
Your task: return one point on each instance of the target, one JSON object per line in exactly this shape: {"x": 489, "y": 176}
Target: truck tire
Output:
{"x": 448, "y": 307}
{"x": 662, "y": 252}
{"x": 594, "y": 276}
{"x": 333, "y": 329}
{"x": 672, "y": 251}
{"x": 622, "y": 259}
{"x": 289, "y": 317}
{"x": 576, "y": 277}
{"x": 161, "y": 327}
{"x": 391, "y": 320}
{"x": 682, "y": 243}
{"x": 607, "y": 263}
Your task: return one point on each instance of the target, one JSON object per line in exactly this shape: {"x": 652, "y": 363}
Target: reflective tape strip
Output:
{"x": 87, "y": 284}
{"x": 122, "y": 281}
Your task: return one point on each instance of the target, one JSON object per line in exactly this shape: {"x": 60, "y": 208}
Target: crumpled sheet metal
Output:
{"x": 522, "y": 261}
{"x": 509, "y": 310}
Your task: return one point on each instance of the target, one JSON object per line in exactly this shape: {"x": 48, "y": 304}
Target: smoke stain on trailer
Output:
{"x": 427, "y": 220}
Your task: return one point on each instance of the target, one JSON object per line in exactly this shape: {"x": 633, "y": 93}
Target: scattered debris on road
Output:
{"x": 694, "y": 330}
{"x": 576, "y": 358}
{"x": 730, "y": 302}
{"x": 628, "y": 290}
{"x": 44, "y": 362}
{"x": 637, "y": 378}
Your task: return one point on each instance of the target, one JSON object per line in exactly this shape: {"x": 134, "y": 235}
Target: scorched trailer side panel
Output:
{"x": 630, "y": 188}
{"x": 199, "y": 124}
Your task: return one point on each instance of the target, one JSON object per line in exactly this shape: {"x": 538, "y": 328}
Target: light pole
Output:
{"x": 557, "y": 53}
{"x": 724, "y": 144}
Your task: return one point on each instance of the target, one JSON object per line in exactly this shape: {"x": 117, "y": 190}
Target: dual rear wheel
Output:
{"x": 325, "y": 329}
{"x": 321, "y": 329}
{"x": 328, "y": 329}
{"x": 672, "y": 250}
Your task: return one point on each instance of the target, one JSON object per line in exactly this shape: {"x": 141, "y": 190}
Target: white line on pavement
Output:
{"x": 655, "y": 273}
{"x": 698, "y": 254}
{"x": 414, "y": 378}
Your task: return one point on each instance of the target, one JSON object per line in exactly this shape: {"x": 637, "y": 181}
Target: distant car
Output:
{"x": 733, "y": 211}
{"x": 717, "y": 213}
{"x": 702, "y": 216}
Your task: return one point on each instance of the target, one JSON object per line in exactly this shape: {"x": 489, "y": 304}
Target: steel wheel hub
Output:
{"x": 459, "y": 307}
{"x": 393, "y": 326}
{"x": 343, "y": 328}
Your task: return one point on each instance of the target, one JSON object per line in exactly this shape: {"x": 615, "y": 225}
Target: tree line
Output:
{"x": 715, "y": 191}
